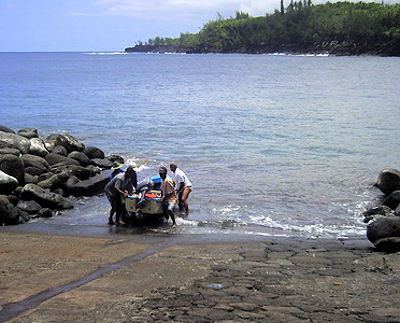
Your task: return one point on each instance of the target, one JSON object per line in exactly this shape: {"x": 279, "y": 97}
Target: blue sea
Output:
{"x": 274, "y": 145}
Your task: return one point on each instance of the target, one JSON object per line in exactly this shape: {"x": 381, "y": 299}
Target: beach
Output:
{"x": 54, "y": 278}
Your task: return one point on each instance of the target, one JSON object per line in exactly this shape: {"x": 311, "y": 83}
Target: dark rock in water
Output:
{"x": 102, "y": 163}
{"x": 16, "y": 141}
{"x": 393, "y": 200}
{"x": 31, "y": 179}
{"x": 28, "y": 133}
{"x": 54, "y": 159}
{"x": 60, "y": 150}
{"x": 38, "y": 147}
{"x": 80, "y": 157}
{"x": 13, "y": 166}
{"x": 6, "y": 129}
{"x": 9, "y": 150}
{"x": 385, "y": 227}
{"x": 391, "y": 244}
{"x": 67, "y": 141}
{"x": 45, "y": 213}
{"x": 7, "y": 183}
{"x": 34, "y": 171}
{"x": 35, "y": 161}
{"x": 44, "y": 197}
{"x": 388, "y": 180}
{"x": 94, "y": 152}
{"x": 23, "y": 216}
{"x": 89, "y": 187}
{"x": 376, "y": 212}
{"x": 55, "y": 181}
{"x": 115, "y": 159}
{"x": 9, "y": 214}
{"x": 81, "y": 172}
{"x": 31, "y": 207}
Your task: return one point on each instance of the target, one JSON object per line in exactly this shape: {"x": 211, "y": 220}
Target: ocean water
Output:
{"x": 273, "y": 144}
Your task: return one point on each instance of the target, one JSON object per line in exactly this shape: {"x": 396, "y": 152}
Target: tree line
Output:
{"x": 342, "y": 28}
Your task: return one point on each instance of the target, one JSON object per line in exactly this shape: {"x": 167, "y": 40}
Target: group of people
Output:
{"x": 173, "y": 190}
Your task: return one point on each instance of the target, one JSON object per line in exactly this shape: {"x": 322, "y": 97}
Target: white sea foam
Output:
{"x": 106, "y": 53}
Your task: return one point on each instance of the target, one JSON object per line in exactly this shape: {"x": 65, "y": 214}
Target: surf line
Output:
{"x": 12, "y": 310}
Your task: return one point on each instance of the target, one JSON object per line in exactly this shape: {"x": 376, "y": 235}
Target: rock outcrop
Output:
{"x": 37, "y": 175}
{"x": 384, "y": 221}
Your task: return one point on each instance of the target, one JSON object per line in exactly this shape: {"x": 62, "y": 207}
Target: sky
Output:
{"x": 110, "y": 25}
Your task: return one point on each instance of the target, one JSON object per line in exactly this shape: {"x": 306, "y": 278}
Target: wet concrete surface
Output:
{"x": 55, "y": 278}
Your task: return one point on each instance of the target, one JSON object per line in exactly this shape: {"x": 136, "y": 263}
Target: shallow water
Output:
{"x": 274, "y": 145}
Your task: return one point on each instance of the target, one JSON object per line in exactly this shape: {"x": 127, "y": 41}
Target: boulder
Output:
{"x": 9, "y": 214}
{"x": 55, "y": 181}
{"x": 50, "y": 145}
{"x": 13, "y": 199}
{"x": 5, "y": 144}
{"x": 45, "y": 213}
{"x": 102, "y": 163}
{"x": 89, "y": 187}
{"x": 6, "y": 129}
{"x": 31, "y": 179}
{"x": 30, "y": 207}
{"x": 115, "y": 159}
{"x": 44, "y": 197}
{"x": 38, "y": 147}
{"x": 67, "y": 141}
{"x": 44, "y": 176}
{"x": 385, "y": 227}
{"x": 54, "y": 159}
{"x": 23, "y": 216}
{"x": 9, "y": 150}
{"x": 35, "y": 161}
{"x": 60, "y": 150}
{"x": 388, "y": 180}
{"x": 16, "y": 141}
{"x": 393, "y": 200}
{"x": 80, "y": 157}
{"x": 13, "y": 166}
{"x": 7, "y": 183}
{"x": 94, "y": 152}
{"x": 94, "y": 170}
{"x": 81, "y": 172}
{"x": 33, "y": 171}
{"x": 28, "y": 133}
{"x": 391, "y": 244}
{"x": 376, "y": 212}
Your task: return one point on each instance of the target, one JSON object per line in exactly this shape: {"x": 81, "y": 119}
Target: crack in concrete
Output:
{"x": 12, "y": 310}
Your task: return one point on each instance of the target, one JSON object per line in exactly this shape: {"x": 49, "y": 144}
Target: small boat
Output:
{"x": 145, "y": 207}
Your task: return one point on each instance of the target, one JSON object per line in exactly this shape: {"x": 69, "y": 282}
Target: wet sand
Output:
{"x": 53, "y": 278}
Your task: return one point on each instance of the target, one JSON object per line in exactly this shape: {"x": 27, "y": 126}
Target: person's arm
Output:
{"x": 117, "y": 187}
{"x": 180, "y": 187}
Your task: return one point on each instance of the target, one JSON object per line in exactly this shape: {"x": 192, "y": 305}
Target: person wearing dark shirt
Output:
{"x": 119, "y": 187}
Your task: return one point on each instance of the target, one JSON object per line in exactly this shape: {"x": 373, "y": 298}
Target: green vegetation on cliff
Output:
{"x": 342, "y": 28}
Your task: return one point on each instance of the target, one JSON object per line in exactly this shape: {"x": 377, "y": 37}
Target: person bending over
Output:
{"x": 117, "y": 189}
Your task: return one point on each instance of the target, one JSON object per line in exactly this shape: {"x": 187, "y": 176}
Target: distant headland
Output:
{"x": 341, "y": 28}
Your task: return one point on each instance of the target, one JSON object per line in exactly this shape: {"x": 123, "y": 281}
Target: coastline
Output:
{"x": 187, "y": 279}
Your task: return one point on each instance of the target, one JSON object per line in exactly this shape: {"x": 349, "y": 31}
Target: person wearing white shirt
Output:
{"x": 183, "y": 187}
